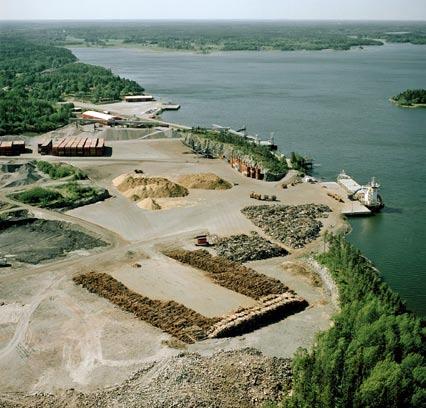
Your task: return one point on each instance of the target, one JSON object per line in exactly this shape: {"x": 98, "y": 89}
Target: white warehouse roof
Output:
{"x": 99, "y": 115}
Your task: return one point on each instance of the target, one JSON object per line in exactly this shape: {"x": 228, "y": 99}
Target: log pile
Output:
{"x": 271, "y": 309}
{"x": 229, "y": 274}
{"x": 171, "y": 317}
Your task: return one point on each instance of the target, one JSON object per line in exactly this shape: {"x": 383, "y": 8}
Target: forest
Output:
{"x": 228, "y": 36}
{"x": 34, "y": 78}
{"x": 374, "y": 353}
{"x": 411, "y": 97}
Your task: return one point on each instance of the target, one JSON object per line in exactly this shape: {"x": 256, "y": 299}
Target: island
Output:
{"x": 411, "y": 98}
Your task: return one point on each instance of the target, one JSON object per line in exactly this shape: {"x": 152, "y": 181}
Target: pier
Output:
{"x": 349, "y": 207}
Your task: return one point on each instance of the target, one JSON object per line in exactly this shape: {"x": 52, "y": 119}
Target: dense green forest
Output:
{"x": 35, "y": 77}
{"x": 233, "y": 35}
{"x": 373, "y": 355}
{"x": 411, "y": 97}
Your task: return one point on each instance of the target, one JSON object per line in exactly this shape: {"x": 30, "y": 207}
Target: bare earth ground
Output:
{"x": 55, "y": 335}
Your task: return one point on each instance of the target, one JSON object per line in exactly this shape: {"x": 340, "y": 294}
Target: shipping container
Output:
{"x": 93, "y": 147}
{"x": 100, "y": 147}
{"x": 80, "y": 146}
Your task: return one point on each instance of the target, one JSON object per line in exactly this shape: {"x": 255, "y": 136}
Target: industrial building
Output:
{"x": 73, "y": 146}
{"x": 12, "y": 148}
{"x": 246, "y": 169}
{"x": 139, "y": 98}
{"x": 100, "y": 117}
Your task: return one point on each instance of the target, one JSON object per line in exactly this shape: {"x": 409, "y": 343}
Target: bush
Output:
{"x": 60, "y": 170}
{"x": 39, "y": 196}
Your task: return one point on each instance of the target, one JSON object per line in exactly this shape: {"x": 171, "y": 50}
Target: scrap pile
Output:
{"x": 229, "y": 274}
{"x": 294, "y": 226}
{"x": 172, "y": 317}
{"x": 243, "y": 248}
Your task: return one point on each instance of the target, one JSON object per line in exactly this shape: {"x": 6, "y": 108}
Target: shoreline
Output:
{"x": 159, "y": 50}
{"x": 412, "y": 106}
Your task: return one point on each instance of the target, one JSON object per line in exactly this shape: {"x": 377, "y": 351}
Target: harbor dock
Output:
{"x": 349, "y": 207}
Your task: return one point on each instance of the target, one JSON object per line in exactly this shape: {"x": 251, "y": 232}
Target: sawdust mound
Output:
{"x": 138, "y": 187}
{"x": 204, "y": 181}
{"x": 149, "y": 204}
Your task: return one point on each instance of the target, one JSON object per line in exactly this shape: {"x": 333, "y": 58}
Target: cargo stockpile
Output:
{"x": 172, "y": 317}
{"x": 271, "y": 309}
{"x": 293, "y": 225}
{"x": 243, "y": 248}
{"x": 229, "y": 274}
{"x": 73, "y": 146}
{"x": 12, "y": 148}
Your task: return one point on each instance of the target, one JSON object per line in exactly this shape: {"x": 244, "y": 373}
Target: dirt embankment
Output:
{"x": 230, "y": 275}
{"x": 233, "y": 379}
{"x": 204, "y": 181}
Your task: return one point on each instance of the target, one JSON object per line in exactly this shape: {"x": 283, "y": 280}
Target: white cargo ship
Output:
{"x": 367, "y": 195}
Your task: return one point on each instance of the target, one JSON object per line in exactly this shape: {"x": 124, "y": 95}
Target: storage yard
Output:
{"x": 91, "y": 314}
{"x": 73, "y": 146}
{"x": 12, "y": 148}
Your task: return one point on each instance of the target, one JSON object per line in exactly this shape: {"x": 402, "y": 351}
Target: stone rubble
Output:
{"x": 231, "y": 379}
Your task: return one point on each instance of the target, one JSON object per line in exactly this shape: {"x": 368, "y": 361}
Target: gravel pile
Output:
{"x": 233, "y": 379}
{"x": 243, "y": 248}
{"x": 294, "y": 226}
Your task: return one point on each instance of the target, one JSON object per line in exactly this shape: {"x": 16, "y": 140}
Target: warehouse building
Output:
{"x": 139, "y": 98}
{"x": 100, "y": 117}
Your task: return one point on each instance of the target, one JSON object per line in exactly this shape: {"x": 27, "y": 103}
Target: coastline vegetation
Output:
{"x": 373, "y": 355}
{"x": 34, "y": 78}
{"x": 411, "y": 98}
{"x": 205, "y": 37}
